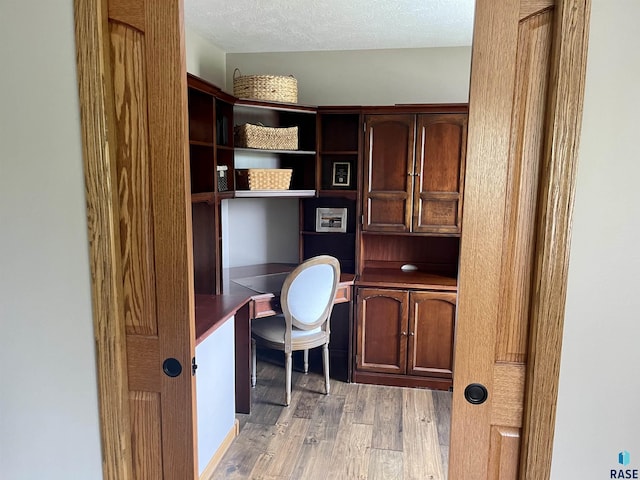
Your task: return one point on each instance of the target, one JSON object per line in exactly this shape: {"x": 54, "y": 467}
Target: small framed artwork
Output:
{"x": 331, "y": 220}
{"x": 341, "y": 176}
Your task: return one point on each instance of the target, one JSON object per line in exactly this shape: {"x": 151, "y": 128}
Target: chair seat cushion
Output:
{"x": 272, "y": 329}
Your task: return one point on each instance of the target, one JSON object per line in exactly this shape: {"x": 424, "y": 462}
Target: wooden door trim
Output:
{"x": 97, "y": 131}
{"x": 569, "y": 58}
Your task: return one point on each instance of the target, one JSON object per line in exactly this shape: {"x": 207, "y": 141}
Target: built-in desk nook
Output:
{"x": 252, "y": 292}
{"x": 378, "y": 187}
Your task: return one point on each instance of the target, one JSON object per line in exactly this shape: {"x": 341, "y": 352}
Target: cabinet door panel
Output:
{"x": 431, "y": 333}
{"x": 382, "y": 328}
{"x": 389, "y": 157}
{"x": 440, "y": 168}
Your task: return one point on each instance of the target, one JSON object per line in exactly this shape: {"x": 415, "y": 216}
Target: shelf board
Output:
{"x": 312, "y": 233}
{"x": 288, "y": 107}
{"x": 289, "y": 152}
{"x": 226, "y": 194}
{"x": 350, "y": 194}
{"x": 201, "y": 144}
{"x": 224, "y": 147}
{"x": 338, "y": 152}
{"x": 202, "y": 197}
{"x": 274, "y": 193}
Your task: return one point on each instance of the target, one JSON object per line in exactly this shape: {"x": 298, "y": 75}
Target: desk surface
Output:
{"x": 240, "y": 286}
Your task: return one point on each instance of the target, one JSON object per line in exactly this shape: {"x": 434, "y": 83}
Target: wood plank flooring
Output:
{"x": 356, "y": 432}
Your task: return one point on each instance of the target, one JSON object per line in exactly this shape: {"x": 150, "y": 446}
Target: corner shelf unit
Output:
{"x": 301, "y": 161}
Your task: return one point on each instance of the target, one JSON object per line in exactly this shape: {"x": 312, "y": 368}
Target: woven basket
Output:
{"x": 264, "y": 178}
{"x": 265, "y": 87}
{"x": 269, "y": 138}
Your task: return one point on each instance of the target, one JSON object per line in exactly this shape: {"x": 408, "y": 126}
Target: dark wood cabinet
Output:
{"x": 413, "y": 172}
{"x": 405, "y": 337}
{"x": 431, "y": 333}
{"x": 381, "y": 344}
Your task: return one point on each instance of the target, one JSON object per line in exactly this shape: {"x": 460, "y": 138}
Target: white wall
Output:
{"x": 366, "y": 77}
{"x": 215, "y": 391}
{"x": 259, "y": 230}
{"x": 598, "y": 406}
{"x": 48, "y": 396}
{"x": 204, "y": 59}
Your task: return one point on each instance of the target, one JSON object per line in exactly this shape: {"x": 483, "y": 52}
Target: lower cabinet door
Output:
{"x": 431, "y": 333}
{"x": 382, "y": 330}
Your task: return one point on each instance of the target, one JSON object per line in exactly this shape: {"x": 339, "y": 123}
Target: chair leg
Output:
{"x": 288, "y": 367}
{"x": 306, "y": 360}
{"x": 253, "y": 362}
{"x": 325, "y": 361}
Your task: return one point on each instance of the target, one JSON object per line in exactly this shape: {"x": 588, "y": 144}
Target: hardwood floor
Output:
{"x": 358, "y": 431}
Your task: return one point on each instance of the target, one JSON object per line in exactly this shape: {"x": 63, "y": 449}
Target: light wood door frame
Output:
{"x": 553, "y": 226}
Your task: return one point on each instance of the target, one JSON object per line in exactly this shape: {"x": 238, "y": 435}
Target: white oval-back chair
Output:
{"x": 307, "y": 300}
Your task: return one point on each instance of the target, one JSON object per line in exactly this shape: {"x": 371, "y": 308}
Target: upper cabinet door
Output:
{"x": 388, "y": 169}
{"x": 439, "y": 179}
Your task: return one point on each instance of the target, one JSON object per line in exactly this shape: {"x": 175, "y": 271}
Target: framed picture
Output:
{"x": 331, "y": 220}
{"x": 341, "y": 176}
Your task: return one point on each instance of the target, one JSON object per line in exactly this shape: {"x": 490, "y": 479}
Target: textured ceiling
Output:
{"x": 242, "y": 26}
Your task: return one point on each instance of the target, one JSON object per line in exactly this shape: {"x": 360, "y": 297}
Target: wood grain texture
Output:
{"x": 127, "y": 12}
{"x": 165, "y": 67}
{"x": 525, "y": 159}
{"x": 385, "y": 465}
{"x": 567, "y": 81}
{"x": 146, "y": 435}
{"x": 503, "y": 453}
{"x": 531, "y": 7}
{"x": 422, "y": 454}
{"x": 143, "y": 356}
{"x": 132, "y": 160}
{"x": 351, "y": 453}
{"x": 365, "y": 404}
{"x": 94, "y": 88}
{"x": 245, "y": 451}
{"x": 508, "y": 393}
{"x": 387, "y": 423}
{"x": 493, "y": 74}
{"x": 288, "y": 438}
{"x": 337, "y": 443}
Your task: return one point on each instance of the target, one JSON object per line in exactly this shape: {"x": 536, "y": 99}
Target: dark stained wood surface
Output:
{"x": 394, "y": 277}
{"x": 213, "y": 310}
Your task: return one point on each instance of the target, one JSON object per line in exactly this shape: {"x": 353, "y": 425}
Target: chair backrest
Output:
{"x": 309, "y": 291}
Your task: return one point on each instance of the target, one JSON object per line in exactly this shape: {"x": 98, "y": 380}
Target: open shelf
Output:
{"x": 203, "y": 197}
{"x": 264, "y": 150}
{"x": 274, "y": 193}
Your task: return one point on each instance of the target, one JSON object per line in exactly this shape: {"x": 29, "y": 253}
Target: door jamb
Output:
{"x": 557, "y": 190}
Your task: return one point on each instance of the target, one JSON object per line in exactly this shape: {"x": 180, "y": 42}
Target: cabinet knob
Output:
{"x": 404, "y": 334}
{"x": 411, "y": 334}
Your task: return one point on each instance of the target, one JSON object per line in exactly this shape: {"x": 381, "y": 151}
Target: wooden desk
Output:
{"x": 246, "y": 304}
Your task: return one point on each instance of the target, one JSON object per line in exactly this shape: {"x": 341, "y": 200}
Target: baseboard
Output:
{"x": 224, "y": 446}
